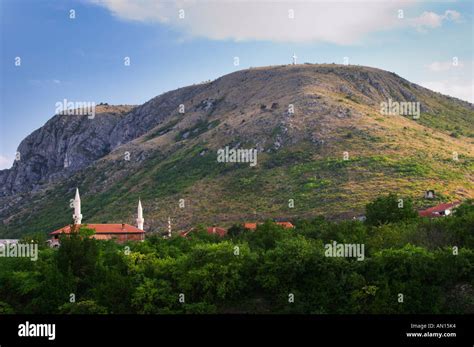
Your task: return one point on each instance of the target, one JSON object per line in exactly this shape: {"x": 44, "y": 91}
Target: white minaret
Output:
{"x": 140, "y": 219}
{"x": 294, "y": 58}
{"x": 77, "y": 216}
{"x": 169, "y": 227}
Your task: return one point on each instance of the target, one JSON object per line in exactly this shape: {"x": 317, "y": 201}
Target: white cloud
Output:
{"x": 345, "y": 22}
{"x": 137, "y": 10}
{"x": 463, "y": 90}
{"x": 430, "y": 20}
{"x": 438, "y": 66}
{"x": 44, "y": 83}
{"x": 5, "y": 162}
{"x": 451, "y": 79}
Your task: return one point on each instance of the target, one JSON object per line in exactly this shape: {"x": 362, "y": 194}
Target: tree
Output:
{"x": 467, "y": 207}
{"x": 82, "y": 307}
{"x": 235, "y": 230}
{"x": 155, "y": 296}
{"x": 5, "y": 308}
{"x": 389, "y": 209}
{"x": 78, "y": 255}
{"x": 214, "y": 272}
{"x": 266, "y": 235}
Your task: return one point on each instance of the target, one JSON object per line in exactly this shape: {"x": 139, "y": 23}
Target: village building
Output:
{"x": 217, "y": 231}
{"x": 253, "y": 226}
{"x": 286, "y": 225}
{"x": 210, "y": 230}
{"x": 120, "y": 232}
{"x": 429, "y": 194}
{"x": 250, "y": 226}
{"x": 360, "y": 218}
{"x": 441, "y": 210}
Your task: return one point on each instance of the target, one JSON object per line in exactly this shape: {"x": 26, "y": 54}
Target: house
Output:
{"x": 360, "y": 218}
{"x": 216, "y": 230}
{"x": 441, "y": 210}
{"x": 53, "y": 242}
{"x": 429, "y": 194}
{"x": 117, "y": 232}
{"x": 286, "y": 225}
{"x": 210, "y": 230}
{"x": 253, "y": 226}
{"x": 250, "y": 226}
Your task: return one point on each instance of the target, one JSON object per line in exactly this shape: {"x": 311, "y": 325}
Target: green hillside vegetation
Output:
{"x": 316, "y": 184}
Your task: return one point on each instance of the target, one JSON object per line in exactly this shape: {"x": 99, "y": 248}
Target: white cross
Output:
{"x": 294, "y": 58}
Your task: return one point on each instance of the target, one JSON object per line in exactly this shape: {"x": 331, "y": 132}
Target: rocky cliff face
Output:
{"x": 69, "y": 143}
{"x": 63, "y": 146}
{"x": 145, "y": 117}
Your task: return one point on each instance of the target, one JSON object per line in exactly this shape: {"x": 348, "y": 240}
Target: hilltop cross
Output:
{"x": 294, "y": 58}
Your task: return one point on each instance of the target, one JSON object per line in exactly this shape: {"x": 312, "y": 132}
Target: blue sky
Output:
{"x": 82, "y": 58}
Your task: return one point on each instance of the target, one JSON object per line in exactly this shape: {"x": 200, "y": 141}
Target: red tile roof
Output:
{"x": 253, "y": 226}
{"x": 287, "y": 225}
{"x": 185, "y": 233}
{"x": 435, "y": 210}
{"x": 210, "y": 230}
{"x": 217, "y": 230}
{"x": 103, "y": 229}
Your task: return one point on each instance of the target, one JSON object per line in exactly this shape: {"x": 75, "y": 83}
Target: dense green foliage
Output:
{"x": 430, "y": 262}
{"x": 389, "y": 209}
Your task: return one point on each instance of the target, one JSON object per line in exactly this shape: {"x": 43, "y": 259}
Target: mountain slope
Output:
{"x": 161, "y": 155}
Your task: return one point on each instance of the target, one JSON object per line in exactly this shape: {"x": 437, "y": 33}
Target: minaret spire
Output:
{"x": 140, "y": 219}
{"x": 77, "y": 216}
{"x": 169, "y": 227}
